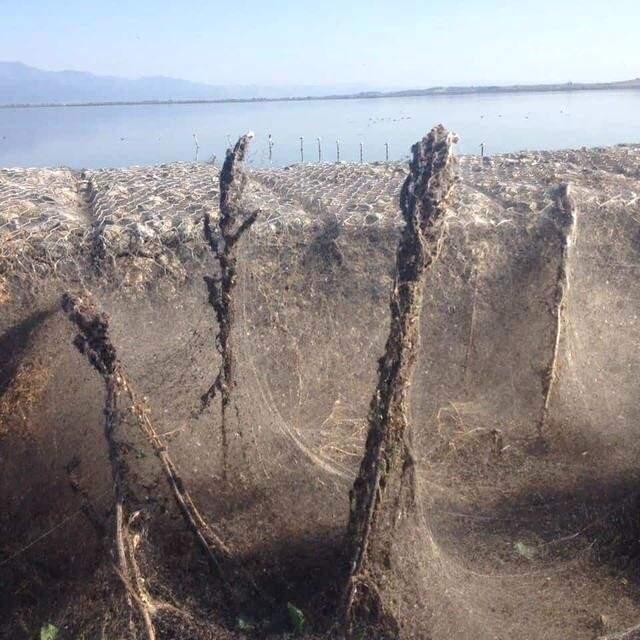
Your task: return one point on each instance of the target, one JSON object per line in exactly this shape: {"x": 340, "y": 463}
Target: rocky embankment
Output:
{"x": 50, "y": 217}
{"x": 150, "y": 217}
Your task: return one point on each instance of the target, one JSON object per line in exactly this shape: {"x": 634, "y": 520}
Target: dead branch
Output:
{"x": 218, "y": 554}
{"x": 386, "y": 483}
{"x": 564, "y": 217}
{"x": 234, "y": 221}
{"x": 92, "y": 340}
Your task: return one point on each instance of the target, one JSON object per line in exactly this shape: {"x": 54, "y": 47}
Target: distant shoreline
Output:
{"x": 567, "y": 87}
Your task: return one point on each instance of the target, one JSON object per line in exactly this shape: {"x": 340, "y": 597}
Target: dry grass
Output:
{"x": 21, "y": 396}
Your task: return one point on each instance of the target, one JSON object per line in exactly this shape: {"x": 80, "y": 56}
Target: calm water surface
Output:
{"x": 91, "y": 137}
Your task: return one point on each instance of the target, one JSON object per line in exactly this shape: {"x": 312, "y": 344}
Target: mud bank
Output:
{"x": 531, "y": 543}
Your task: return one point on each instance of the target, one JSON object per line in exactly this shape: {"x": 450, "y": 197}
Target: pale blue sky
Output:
{"x": 382, "y": 43}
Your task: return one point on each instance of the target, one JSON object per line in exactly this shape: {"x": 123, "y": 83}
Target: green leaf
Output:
{"x": 296, "y": 618}
{"x": 49, "y": 632}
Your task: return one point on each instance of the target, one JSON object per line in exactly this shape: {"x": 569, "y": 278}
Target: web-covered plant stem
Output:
{"x": 386, "y": 478}
{"x": 103, "y": 356}
{"x": 564, "y": 217}
{"x": 92, "y": 340}
{"x": 233, "y": 222}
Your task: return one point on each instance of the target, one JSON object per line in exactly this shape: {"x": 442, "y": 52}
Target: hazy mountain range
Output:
{"x": 24, "y": 85}
{"x": 20, "y": 84}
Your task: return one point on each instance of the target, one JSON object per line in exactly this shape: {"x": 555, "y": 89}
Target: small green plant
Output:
{"x": 49, "y": 631}
{"x": 296, "y": 618}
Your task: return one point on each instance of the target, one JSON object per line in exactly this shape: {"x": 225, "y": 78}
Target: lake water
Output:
{"x": 91, "y": 137}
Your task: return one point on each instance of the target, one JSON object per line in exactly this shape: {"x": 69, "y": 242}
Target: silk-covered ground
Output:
{"x": 520, "y": 542}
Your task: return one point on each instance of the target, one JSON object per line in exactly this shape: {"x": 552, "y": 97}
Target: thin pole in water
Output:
{"x": 386, "y": 151}
{"x": 270, "y": 148}
{"x": 301, "y": 149}
{"x": 319, "y": 149}
{"x": 195, "y": 141}
{"x": 337, "y": 150}
{"x": 482, "y": 149}
{"x": 361, "y": 152}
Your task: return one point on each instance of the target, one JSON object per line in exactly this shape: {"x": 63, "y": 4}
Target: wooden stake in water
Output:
{"x": 361, "y": 152}
{"x": 319, "y": 149}
{"x": 386, "y": 151}
{"x": 270, "y": 140}
{"x": 337, "y": 150}
{"x": 301, "y": 149}
{"x": 195, "y": 141}
{"x": 482, "y": 149}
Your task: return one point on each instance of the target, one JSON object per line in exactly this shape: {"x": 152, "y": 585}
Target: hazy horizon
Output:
{"x": 349, "y": 85}
{"x": 165, "y": 77}
{"x": 375, "y": 44}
